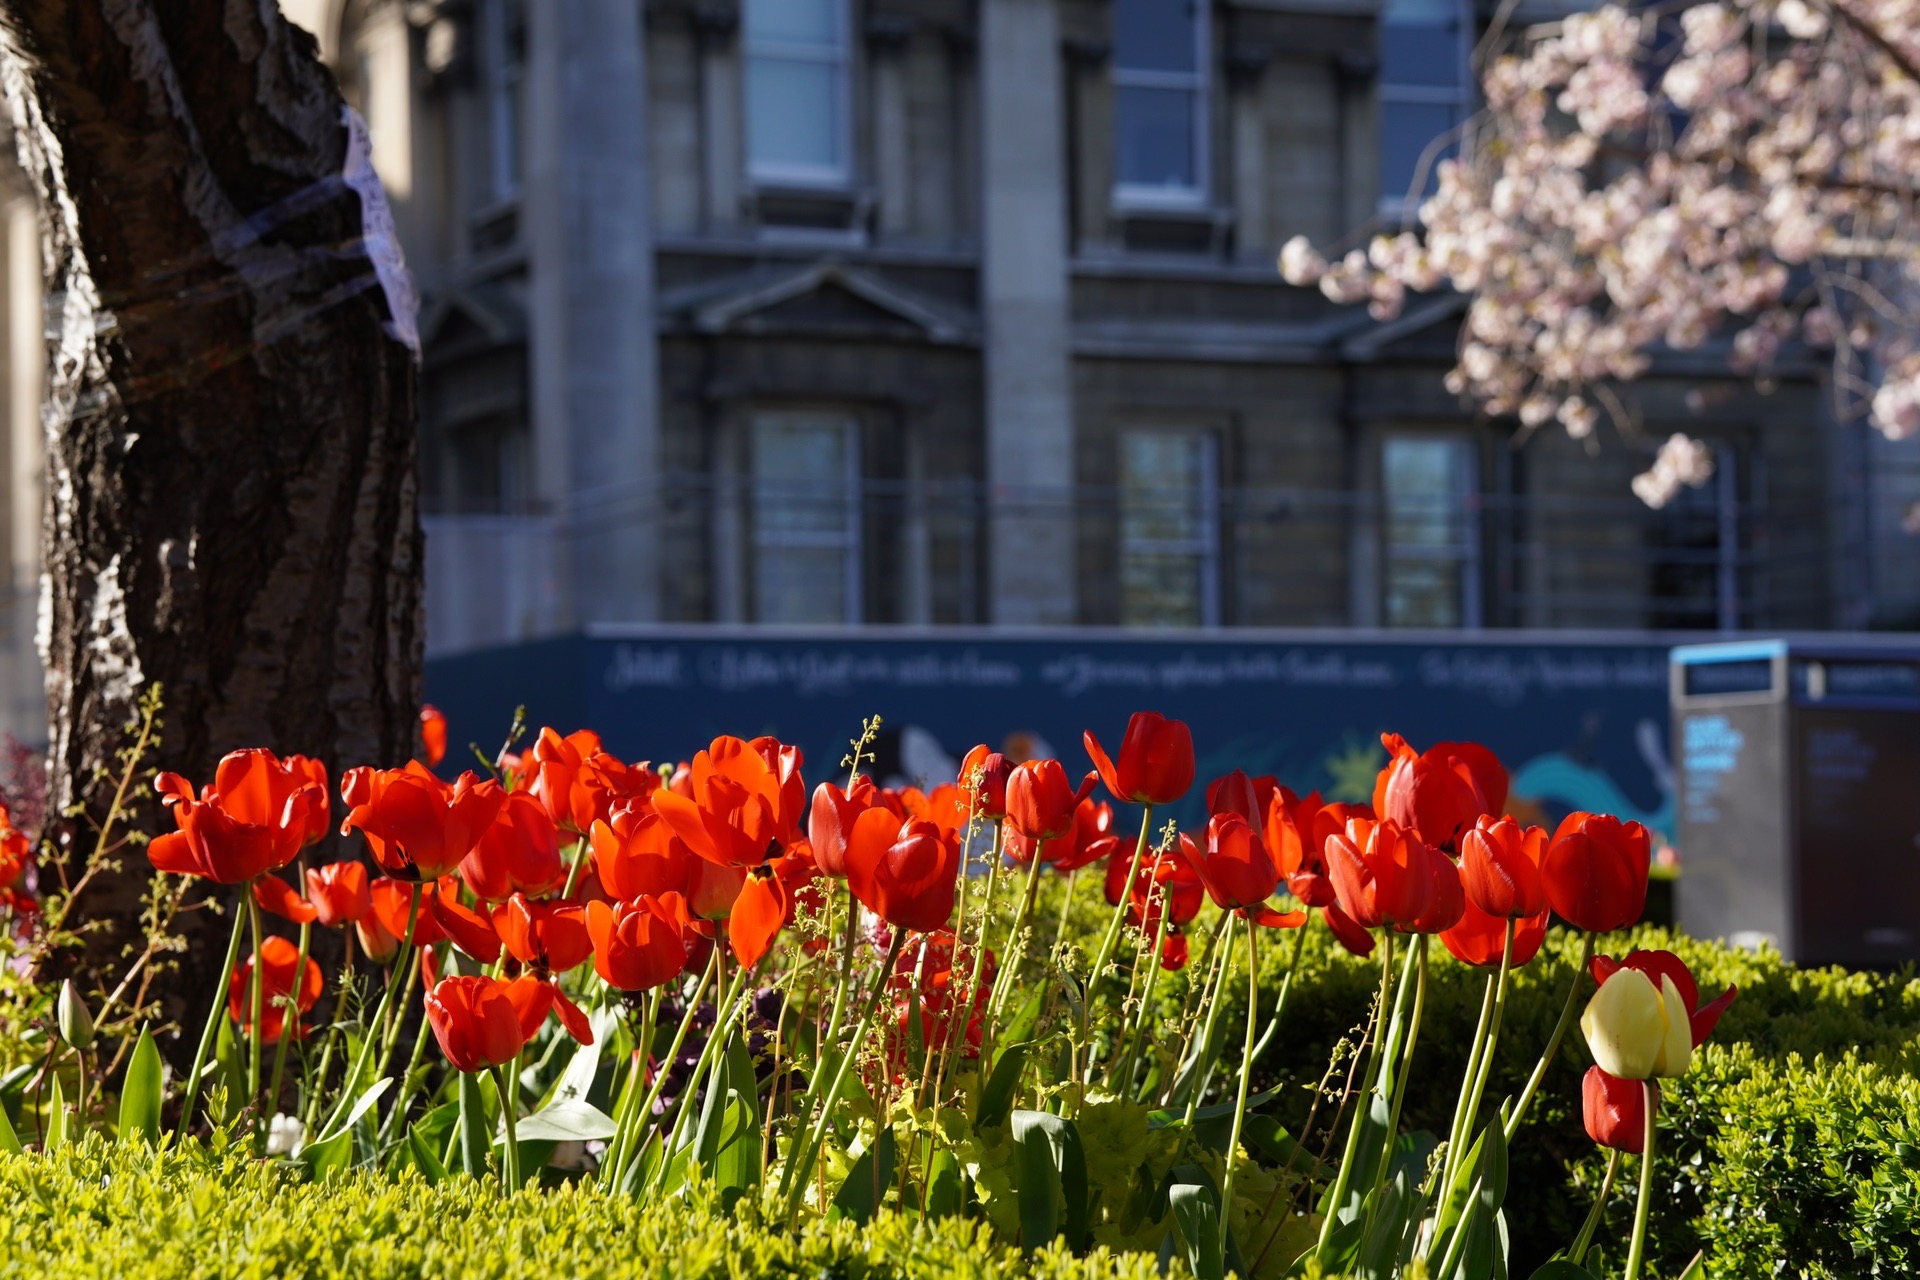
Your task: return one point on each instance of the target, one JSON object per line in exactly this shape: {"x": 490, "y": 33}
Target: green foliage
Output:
{"x": 96, "y": 1209}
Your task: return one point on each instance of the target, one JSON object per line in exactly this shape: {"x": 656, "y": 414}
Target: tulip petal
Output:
{"x": 1707, "y": 1017}
{"x": 1625, "y": 1025}
{"x": 276, "y": 895}
{"x": 758, "y": 913}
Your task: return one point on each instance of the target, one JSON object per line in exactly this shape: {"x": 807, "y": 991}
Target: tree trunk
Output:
{"x": 232, "y": 498}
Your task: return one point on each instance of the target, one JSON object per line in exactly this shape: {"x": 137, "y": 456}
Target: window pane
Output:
{"x": 1421, "y": 44}
{"x": 798, "y": 21}
{"x": 1406, "y": 129}
{"x": 1423, "y": 594}
{"x": 1155, "y": 130}
{"x": 1428, "y": 483}
{"x": 793, "y": 113}
{"x": 800, "y": 584}
{"x": 1162, "y": 487}
{"x": 1161, "y": 591}
{"x": 1154, "y": 35}
{"x": 800, "y": 477}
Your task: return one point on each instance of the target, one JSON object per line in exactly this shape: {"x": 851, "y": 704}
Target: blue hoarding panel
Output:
{"x": 1582, "y": 724}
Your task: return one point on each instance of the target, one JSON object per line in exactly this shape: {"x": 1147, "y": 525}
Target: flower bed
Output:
{"x": 708, "y": 1010}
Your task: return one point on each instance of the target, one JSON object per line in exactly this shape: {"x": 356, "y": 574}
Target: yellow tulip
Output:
{"x": 1637, "y": 1030}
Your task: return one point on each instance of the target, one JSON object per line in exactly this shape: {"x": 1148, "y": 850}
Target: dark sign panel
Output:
{"x": 1582, "y": 724}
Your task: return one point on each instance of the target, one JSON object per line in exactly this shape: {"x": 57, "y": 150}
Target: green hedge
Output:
{"x": 1792, "y": 1147}
{"x": 99, "y": 1210}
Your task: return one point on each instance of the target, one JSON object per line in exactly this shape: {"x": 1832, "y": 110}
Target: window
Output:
{"x": 506, "y": 71}
{"x": 1160, "y": 101}
{"x": 1432, "y": 545}
{"x": 1169, "y": 529}
{"x": 797, "y": 90}
{"x": 806, "y": 519}
{"x": 1426, "y": 89}
{"x": 1698, "y": 561}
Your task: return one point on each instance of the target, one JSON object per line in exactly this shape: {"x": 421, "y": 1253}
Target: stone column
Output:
{"x": 722, "y": 126}
{"x": 1024, "y": 306}
{"x": 888, "y": 36}
{"x": 1246, "y": 65}
{"x": 593, "y": 360}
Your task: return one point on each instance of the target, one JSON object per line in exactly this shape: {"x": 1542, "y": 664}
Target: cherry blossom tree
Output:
{"x": 1653, "y": 176}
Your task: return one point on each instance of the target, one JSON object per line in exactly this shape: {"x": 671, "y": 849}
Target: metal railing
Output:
{"x": 904, "y": 551}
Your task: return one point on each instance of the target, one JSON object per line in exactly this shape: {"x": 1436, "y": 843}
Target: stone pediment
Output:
{"x": 829, "y": 299}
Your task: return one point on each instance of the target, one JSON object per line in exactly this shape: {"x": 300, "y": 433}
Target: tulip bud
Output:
{"x": 76, "y": 1024}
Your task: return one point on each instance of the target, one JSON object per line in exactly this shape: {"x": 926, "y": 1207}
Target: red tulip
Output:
{"x": 1500, "y": 867}
{"x": 433, "y": 734}
{"x": 418, "y": 827}
{"x": 1238, "y": 874}
{"x": 547, "y": 937}
{"x": 907, "y": 873}
{"x": 1173, "y": 951}
{"x": 576, "y": 781}
{"x": 1089, "y": 839}
{"x": 518, "y": 853}
{"x": 276, "y": 895}
{"x": 946, "y": 806}
{"x": 485, "y": 1022}
{"x": 759, "y": 910}
{"x": 830, "y": 818}
{"x": 1041, "y": 800}
{"x": 746, "y": 803}
{"x": 984, "y": 774}
{"x": 1478, "y": 938}
{"x": 635, "y": 853}
{"x": 1658, "y": 964}
{"x": 1446, "y": 900}
{"x": 1248, "y": 797}
{"x": 283, "y": 977}
{"x": 1382, "y": 874}
{"x": 339, "y": 892}
{"x": 441, "y": 917}
{"x": 1347, "y": 931}
{"x": 1156, "y": 760}
{"x": 1595, "y": 871}
{"x": 1615, "y": 1110}
{"x": 641, "y": 944}
{"x": 258, "y": 813}
{"x": 1439, "y": 792}
{"x": 1168, "y": 880}
{"x": 1296, "y": 838}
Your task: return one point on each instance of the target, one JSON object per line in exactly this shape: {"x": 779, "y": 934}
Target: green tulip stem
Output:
{"x": 1111, "y": 938}
{"x": 630, "y": 1144}
{"x": 1196, "y": 1065}
{"x": 1479, "y": 1066}
{"x": 290, "y": 1020}
{"x": 1401, "y": 1076}
{"x": 1350, "y": 1157}
{"x": 1466, "y": 1083}
{"x": 801, "y": 1170}
{"x": 219, "y": 1011}
{"x": 256, "y": 1007}
{"x": 1585, "y": 1238}
{"x": 1553, "y": 1042}
{"x": 1122, "y": 1078}
{"x": 1637, "y": 1250}
{"x": 403, "y": 959}
{"x": 1003, "y": 982}
{"x": 508, "y": 1105}
{"x": 1240, "y": 1103}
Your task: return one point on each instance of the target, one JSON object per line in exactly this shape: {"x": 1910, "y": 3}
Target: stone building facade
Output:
{"x": 927, "y": 312}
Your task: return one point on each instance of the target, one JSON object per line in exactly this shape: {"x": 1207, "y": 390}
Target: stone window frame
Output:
{"x": 506, "y": 101}
{"x": 1393, "y": 202}
{"x": 1468, "y": 555}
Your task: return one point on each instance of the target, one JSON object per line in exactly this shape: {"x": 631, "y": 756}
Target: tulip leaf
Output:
{"x": 361, "y": 1106}
{"x": 1196, "y": 1210}
{"x": 1697, "y": 1269}
{"x": 1049, "y": 1152}
{"x": 56, "y": 1119}
{"x": 330, "y": 1155}
{"x": 9, "y": 1140}
{"x": 577, "y": 1080}
{"x": 424, "y": 1159}
{"x": 944, "y": 1189}
{"x": 140, "y": 1092}
{"x": 1561, "y": 1269}
{"x": 996, "y": 1100}
{"x": 868, "y": 1180}
{"x": 571, "y": 1119}
{"x": 476, "y": 1131}
{"x": 1022, "y": 1025}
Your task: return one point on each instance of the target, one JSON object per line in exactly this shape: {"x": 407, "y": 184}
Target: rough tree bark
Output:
{"x": 232, "y": 503}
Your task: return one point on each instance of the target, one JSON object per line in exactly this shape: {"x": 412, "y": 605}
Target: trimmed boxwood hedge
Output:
{"x": 94, "y": 1209}
{"x": 1791, "y": 1148}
